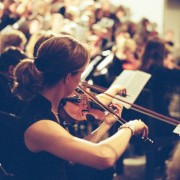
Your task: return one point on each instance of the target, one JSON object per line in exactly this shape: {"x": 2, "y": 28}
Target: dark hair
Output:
{"x": 10, "y": 56}
{"x": 154, "y": 53}
{"x": 13, "y": 38}
{"x": 56, "y": 57}
{"x": 27, "y": 79}
{"x": 41, "y": 39}
{"x": 59, "y": 56}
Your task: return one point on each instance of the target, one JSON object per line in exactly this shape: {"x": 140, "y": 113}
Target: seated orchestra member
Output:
{"x": 80, "y": 127}
{"x": 162, "y": 78}
{"x": 10, "y": 57}
{"x": 123, "y": 58}
{"x": 13, "y": 38}
{"x": 157, "y": 93}
{"x": 46, "y": 149}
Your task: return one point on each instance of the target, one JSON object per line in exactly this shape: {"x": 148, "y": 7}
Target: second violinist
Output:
{"x": 47, "y": 149}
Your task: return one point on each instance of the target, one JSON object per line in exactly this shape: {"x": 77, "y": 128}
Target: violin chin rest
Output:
{"x": 90, "y": 117}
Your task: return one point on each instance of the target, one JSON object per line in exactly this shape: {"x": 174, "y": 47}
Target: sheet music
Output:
{"x": 177, "y": 129}
{"x": 134, "y": 81}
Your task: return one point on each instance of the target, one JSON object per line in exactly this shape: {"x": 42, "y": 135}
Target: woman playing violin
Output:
{"x": 47, "y": 149}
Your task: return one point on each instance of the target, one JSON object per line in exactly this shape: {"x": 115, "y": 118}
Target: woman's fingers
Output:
{"x": 122, "y": 91}
{"x": 117, "y": 107}
{"x": 145, "y": 131}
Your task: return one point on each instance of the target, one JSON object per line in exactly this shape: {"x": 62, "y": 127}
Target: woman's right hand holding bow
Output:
{"x": 137, "y": 127}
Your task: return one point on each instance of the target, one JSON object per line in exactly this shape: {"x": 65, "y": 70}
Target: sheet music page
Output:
{"x": 177, "y": 129}
{"x": 134, "y": 81}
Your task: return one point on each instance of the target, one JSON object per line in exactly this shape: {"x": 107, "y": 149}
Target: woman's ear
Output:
{"x": 67, "y": 77}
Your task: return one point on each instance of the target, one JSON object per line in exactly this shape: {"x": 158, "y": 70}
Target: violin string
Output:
{"x": 92, "y": 97}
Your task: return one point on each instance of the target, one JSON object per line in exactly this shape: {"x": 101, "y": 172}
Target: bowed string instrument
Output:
{"x": 79, "y": 108}
{"x": 84, "y": 104}
{"x": 93, "y": 98}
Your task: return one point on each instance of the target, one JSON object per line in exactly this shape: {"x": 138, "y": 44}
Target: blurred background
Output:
{"x": 122, "y": 35}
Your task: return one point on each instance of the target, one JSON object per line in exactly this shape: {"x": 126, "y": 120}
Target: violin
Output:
{"x": 77, "y": 108}
{"x": 111, "y": 111}
{"x": 83, "y": 106}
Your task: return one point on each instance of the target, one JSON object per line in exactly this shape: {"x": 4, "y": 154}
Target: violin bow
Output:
{"x": 118, "y": 118}
{"x": 135, "y": 107}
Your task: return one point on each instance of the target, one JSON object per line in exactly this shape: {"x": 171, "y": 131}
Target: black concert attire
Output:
{"x": 155, "y": 96}
{"x": 8, "y": 102}
{"x": 113, "y": 70}
{"x": 80, "y": 172}
{"x": 160, "y": 82}
{"x": 7, "y": 19}
{"x": 116, "y": 67}
{"x": 41, "y": 165}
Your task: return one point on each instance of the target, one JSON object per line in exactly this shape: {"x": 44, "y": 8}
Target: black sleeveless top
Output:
{"x": 41, "y": 165}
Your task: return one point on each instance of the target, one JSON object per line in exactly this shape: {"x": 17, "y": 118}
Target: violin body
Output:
{"x": 78, "y": 108}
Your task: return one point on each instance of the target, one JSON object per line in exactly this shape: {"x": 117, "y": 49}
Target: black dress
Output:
{"x": 159, "y": 85}
{"x": 8, "y": 102}
{"x": 41, "y": 165}
{"x": 114, "y": 69}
